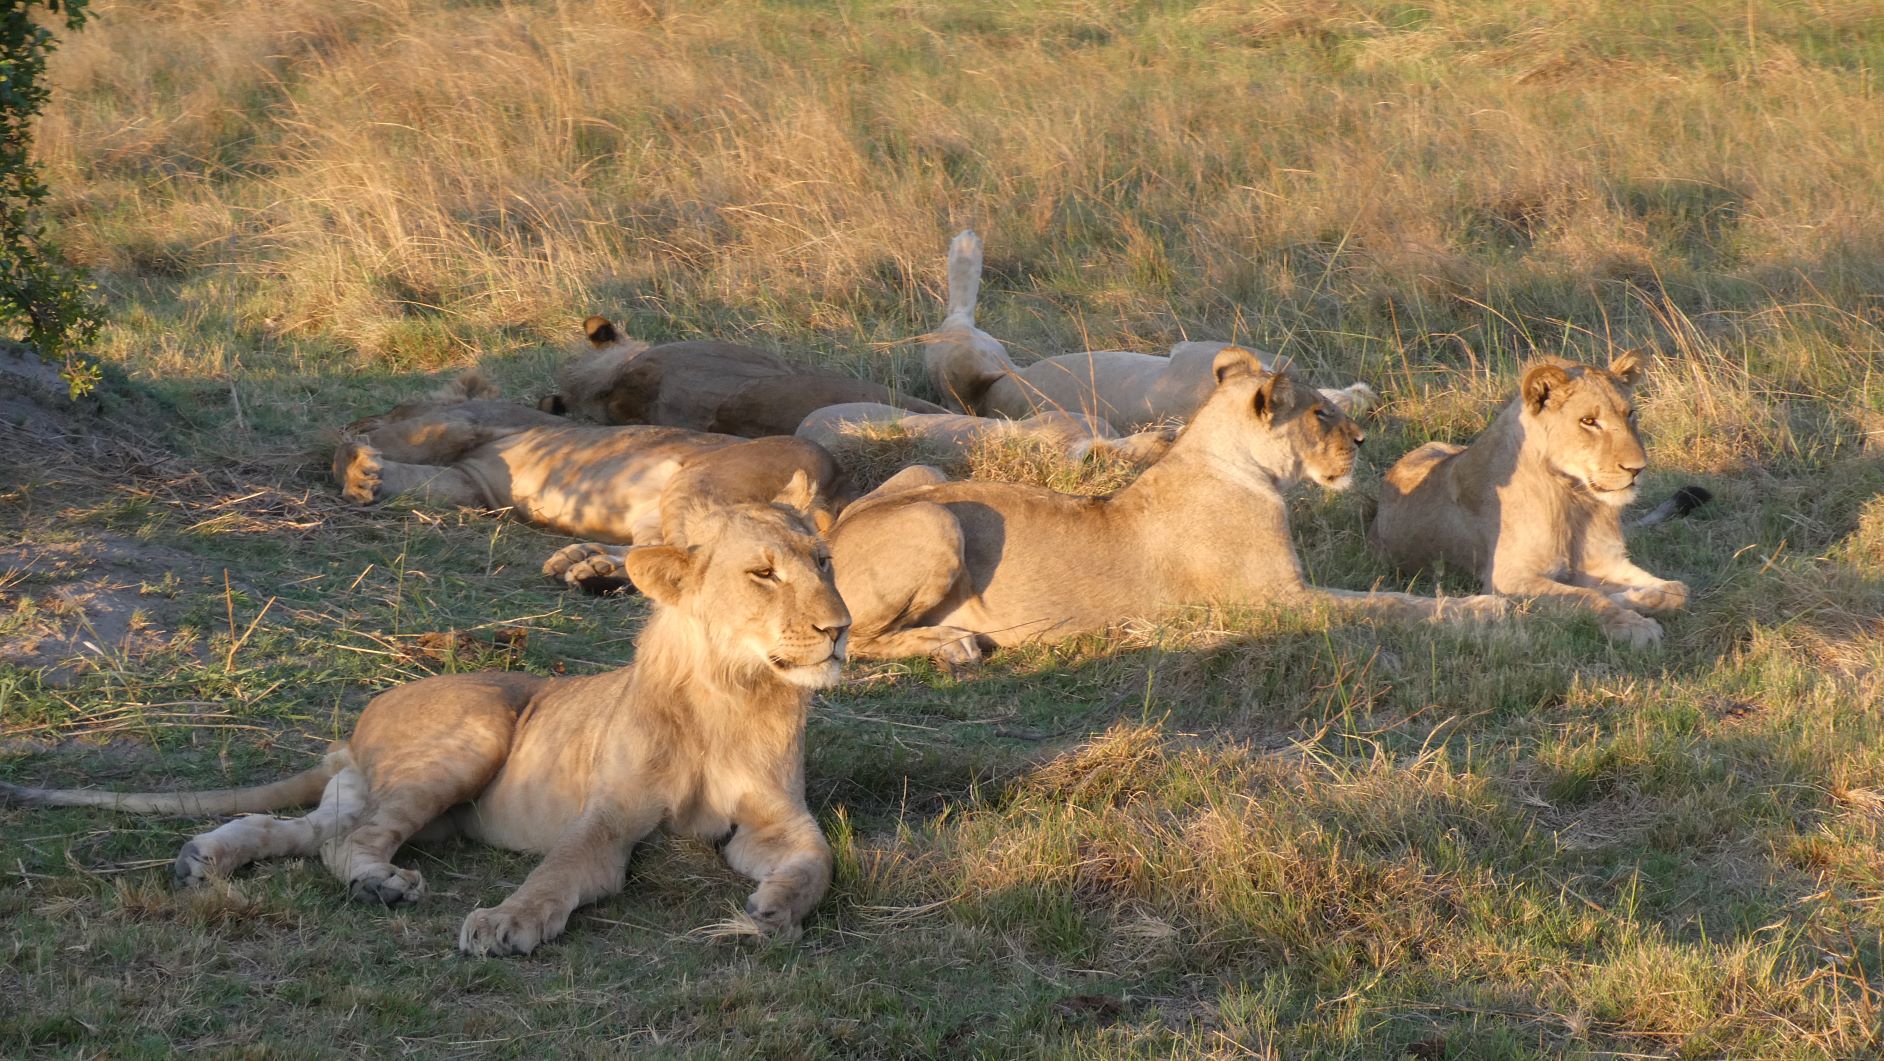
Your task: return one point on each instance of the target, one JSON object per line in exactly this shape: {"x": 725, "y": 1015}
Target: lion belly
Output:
{"x": 602, "y": 483}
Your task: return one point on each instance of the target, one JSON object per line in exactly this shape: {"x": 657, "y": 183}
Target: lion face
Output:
{"x": 1587, "y": 423}
{"x": 1296, "y": 433}
{"x": 758, "y": 579}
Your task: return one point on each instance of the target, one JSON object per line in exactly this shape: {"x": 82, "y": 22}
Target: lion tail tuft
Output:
{"x": 1684, "y": 503}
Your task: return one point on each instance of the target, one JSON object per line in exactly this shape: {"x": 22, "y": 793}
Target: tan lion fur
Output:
{"x": 950, "y": 569}
{"x": 604, "y": 484}
{"x": 703, "y": 735}
{"x": 702, "y": 385}
{"x": 839, "y": 428}
{"x": 1533, "y": 507}
{"x": 972, "y": 371}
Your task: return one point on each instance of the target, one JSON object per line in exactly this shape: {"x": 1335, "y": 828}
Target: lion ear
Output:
{"x": 1539, "y": 380}
{"x": 600, "y": 330}
{"x": 1274, "y": 396}
{"x": 1628, "y": 367}
{"x": 799, "y": 493}
{"x": 1234, "y": 361}
{"x": 661, "y": 572}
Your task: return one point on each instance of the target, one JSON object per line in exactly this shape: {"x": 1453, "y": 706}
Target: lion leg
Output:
{"x": 587, "y": 862}
{"x": 1619, "y": 622}
{"x": 232, "y": 845}
{"x": 395, "y": 813}
{"x": 365, "y": 476}
{"x": 1410, "y": 607}
{"x": 783, "y": 849}
{"x": 592, "y": 567}
{"x": 1631, "y": 587}
{"x": 895, "y": 564}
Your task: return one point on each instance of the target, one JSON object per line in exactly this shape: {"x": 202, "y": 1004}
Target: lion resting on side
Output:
{"x": 601, "y": 483}
{"x": 704, "y": 385}
{"x": 948, "y": 569}
{"x": 1533, "y": 507}
{"x": 1075, "y": 436}
{"x": 703, "y": 735}
{"x": 972, "y": 371}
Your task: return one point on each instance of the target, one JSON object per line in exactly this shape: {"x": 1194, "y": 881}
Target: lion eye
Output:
{"x": 763, "y": 574}
{"x": 1588, "y": 421}
{"x": 824, "y": 563}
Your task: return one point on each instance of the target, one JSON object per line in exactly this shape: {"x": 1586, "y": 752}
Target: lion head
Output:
{"x": 755, "y": 579}
{"x": 1291, "y": 429}
{"x": 1582, "y": 419}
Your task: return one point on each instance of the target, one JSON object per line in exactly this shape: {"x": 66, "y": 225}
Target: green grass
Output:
{"x": 1228, "y": 834}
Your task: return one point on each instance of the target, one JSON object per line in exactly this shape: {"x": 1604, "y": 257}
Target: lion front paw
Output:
{"x": 196, "y": 865}
{"x": 1632, "y": 629}
{"x": 773, "y": 911}
{"x": 388, "y": 885}
{"x": 960, "y": 652}
{"x": 357, "y": 470}
{"x": 1660, "y": 597}
{"x": 498, "y": 932}
{"x": 591, "y": 567}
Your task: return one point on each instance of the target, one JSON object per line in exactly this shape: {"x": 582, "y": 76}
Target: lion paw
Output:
{"x": 591, "y": 567}
{"x": 497, "y": 932}
{"x": 1660, "y": 597}
{"x": 958, "y": 652}
{"x": 195, "y": 865}
{"x": 771, "y": 911}
{"x": 1352, "y": 400}
{"x": 388, "y": 885}
{"x": 1632, "y": 629}
{"x": 357, "y": 470}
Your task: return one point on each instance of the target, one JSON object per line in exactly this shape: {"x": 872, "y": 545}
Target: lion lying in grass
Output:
{"x": 950, "y": 569}
{"x": 952, "y": 436}
{"x": 971, "y": 369}
{"x": 604, "y": 484}
{"x": 704, "y": 386}
{"x": 1533, "y": 507}
{"x": 703, "y": 735}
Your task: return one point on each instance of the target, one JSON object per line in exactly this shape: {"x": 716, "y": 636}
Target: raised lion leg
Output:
{"x": 780, "y": 846}
{"x": 365, "y": 476}
{"x": 232, "y": 845}
{"x": 586, "y": 863}
{"x": 894, "y": 564}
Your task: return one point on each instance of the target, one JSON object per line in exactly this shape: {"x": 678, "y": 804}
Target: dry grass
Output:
{"x": 1224, "y": 835}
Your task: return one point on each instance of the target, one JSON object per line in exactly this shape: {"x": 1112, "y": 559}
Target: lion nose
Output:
{"x": 834, "y": 630}
{"x": 1634, "y": 466}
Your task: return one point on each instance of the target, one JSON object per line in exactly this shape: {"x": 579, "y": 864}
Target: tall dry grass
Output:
{"x": 1381, "y": 187}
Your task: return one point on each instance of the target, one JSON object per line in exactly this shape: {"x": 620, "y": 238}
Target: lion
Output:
{"x": 953, "y": 570}
{"x": 972, "y": 371}
{"x": 1533, "y": 507}
{"x": 1075, "y": 436}
{"x": 703, "y": 735}
{"x": 603, "y": 484}
{"x": 703, "y": 385}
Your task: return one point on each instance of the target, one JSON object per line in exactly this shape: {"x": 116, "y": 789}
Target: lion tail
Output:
{"x": 964, "y": 275}
{"x": 964, "y": 361}
{"x": 1683, "y": 503}
{"x": 300, "y": 790}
